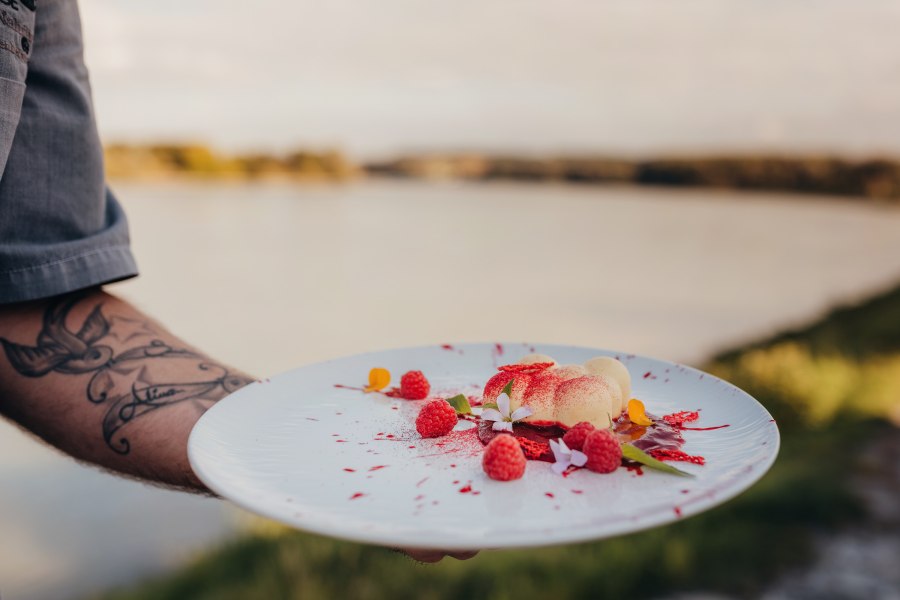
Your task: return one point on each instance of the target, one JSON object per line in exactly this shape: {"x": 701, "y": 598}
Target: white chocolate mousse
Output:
{"x": 614, "y": 369}
{"x": 595, "y": 392}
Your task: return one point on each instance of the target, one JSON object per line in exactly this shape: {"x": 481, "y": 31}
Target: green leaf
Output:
{"x": 461, "y": 404}
{"x": 507, "y": 389}
{"x": 490, "y": 405}
{"x": 637, "y": 455}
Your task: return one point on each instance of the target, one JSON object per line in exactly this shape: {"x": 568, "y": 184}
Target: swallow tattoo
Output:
{"x": 58, "y": 349}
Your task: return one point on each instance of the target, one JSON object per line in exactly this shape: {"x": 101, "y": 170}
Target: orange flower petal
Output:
{"x": 637, "y": 413}
{"x": 378, "y": 379}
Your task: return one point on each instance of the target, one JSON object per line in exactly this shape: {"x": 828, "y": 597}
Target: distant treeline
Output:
{"x": 874, "y": 178}
{"x": 197, "y": 160}
{"x": 816, "y": 175}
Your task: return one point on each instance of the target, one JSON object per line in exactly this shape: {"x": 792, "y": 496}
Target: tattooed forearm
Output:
{"x": 128, "y": 364}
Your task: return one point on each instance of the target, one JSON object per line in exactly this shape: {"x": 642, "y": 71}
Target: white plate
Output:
{"x": 282, "y": 448}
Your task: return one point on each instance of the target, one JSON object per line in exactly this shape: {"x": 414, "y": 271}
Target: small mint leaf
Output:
{"x": 490, "y": 405}
{"x": 507, "y": 389}
{"x": 639, "y": 456}
{"x": 461, "y": 404}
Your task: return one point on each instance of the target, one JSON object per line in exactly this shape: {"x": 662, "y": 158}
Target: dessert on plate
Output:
{"x": 565, "y": 395}
{"x": 580, "y": 416}
{"x": 571, "y": 415}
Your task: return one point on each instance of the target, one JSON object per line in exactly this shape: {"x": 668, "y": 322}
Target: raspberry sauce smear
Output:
{"x": 534, "y": 440}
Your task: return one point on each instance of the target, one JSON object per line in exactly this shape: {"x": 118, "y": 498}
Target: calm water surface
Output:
{"x": 269, "y": 277}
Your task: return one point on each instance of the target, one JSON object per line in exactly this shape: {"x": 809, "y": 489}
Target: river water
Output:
{"x": 272, "y": 276}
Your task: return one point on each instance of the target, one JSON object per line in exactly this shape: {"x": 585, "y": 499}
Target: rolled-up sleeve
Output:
{"x": 61, "y": 228}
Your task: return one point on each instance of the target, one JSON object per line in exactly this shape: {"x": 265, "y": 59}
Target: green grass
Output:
{"x": 845, "y": 365}
{"x": 830, "y": 386}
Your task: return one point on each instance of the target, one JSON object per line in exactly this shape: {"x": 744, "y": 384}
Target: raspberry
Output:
{"x": 414, "y": 386}
{"x": 604, "y": 455}
{"x": 436, "y": 418}
{"x": 503, "y": 459}
{"x": 575, "y": 436}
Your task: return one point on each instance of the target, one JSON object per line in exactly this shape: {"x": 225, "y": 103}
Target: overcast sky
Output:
{"x": 376, "y": 78}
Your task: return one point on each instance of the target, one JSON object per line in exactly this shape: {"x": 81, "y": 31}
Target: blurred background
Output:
{"x": 716, "y": 183}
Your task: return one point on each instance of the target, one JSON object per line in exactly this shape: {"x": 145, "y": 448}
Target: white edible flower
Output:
{"x": 503, "y": 420}
{"x": 565, "y": 457}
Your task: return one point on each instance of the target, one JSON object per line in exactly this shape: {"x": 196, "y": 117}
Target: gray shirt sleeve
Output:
{"x": 61, "y": 229}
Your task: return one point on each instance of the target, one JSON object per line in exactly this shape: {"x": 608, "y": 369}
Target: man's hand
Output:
{"x": 433, "y": 556}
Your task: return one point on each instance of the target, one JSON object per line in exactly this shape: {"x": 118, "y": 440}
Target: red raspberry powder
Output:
{"x": 680, "y": 418}
{"x": 532, "y": 368}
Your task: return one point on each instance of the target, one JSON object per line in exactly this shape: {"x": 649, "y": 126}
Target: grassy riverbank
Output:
{"x": 834, "y": 387}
